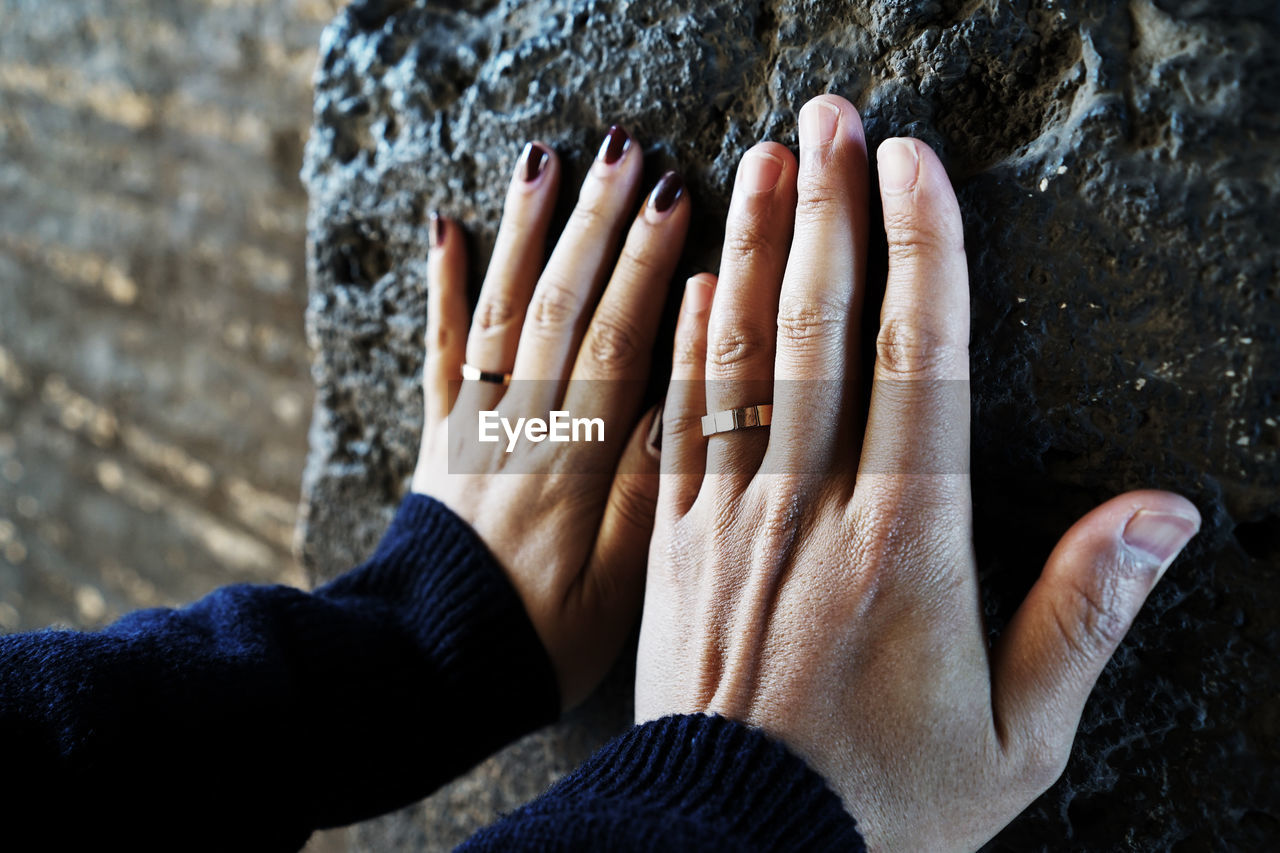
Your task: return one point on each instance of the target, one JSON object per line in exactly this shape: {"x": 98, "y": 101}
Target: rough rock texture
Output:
{"x": 1118, "y": 169}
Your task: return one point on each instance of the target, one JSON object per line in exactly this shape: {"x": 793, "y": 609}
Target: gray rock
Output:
{"x": 1118, "y": 169}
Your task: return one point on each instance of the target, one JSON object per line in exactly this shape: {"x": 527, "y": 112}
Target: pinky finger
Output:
{"x": 446, "y": 338}
{"x": 684, "y": 450}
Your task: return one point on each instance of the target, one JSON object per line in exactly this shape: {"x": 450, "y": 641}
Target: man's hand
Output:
{"x": 817, "y": 577}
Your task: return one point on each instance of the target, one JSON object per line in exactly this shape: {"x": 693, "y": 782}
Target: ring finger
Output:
{"x": 742, "y": 328}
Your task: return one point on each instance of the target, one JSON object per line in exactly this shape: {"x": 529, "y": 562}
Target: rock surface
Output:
{"x": 1118, "y": 169}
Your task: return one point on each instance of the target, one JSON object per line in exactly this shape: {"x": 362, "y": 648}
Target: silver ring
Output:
{"x": 470, "y": 371}
{"x": 730, "y": 420}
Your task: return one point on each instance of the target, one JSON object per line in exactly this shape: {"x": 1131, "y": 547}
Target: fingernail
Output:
{"x": 1159, "y": 535}
{"x": 899, "y": 164}
{"x": 668, "y": 191}
{"x": 437, "y": 230}
{"x": 697, "y": 295}
{"x": 655, "y": 430}
{"x": 535, "y": 159}
{"x": 760, "y": 172}
{"x": 615, "y": 145}
{"x": 818, "y": 122}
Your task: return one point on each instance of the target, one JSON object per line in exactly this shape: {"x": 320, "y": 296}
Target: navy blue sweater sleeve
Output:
{"x": 682, "y": 783}
{"x": 259, "y": 714}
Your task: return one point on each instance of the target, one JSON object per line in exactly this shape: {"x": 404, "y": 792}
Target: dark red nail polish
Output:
{"x": 667, "y": 192}
{"x": 437, "y": 230}
{"x": 535, "y": 160}
{"x": 615, "y": 145}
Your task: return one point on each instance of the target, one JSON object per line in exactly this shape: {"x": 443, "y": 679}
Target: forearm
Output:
{"x": 270, "y": 711}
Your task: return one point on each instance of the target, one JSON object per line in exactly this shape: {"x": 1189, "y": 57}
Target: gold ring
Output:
{"x": 470, "y": 371}
{"x": 729, "y": 420}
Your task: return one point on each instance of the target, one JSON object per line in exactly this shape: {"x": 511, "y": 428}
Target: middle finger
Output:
{"x": 820, "y": 307}
{"x": 582, "y": 258}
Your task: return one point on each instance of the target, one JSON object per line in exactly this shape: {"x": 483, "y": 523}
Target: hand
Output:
{"x": 573, "y": 544}
{"x": 819, "y": 581}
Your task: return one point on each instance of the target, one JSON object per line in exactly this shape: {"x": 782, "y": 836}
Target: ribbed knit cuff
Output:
{"x": 453, "y": 596}
{"x": 684, "y": 782}
{"x": 460, "y": 611}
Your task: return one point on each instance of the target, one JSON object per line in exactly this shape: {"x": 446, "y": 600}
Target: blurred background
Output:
{"x": 154, "y": 384}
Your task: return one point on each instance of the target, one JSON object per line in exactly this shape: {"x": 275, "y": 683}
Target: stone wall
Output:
{"x": 1118, "y": 168}
{"x": 154, "y": 388}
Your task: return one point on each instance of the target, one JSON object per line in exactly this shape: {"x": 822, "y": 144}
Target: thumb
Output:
{"x": 1075, "y": 616}
{"x": 613, "y": 583}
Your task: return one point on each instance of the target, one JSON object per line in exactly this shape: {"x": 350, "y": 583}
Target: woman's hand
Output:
{"x": 568, "y": 522}
{"x": 817, "y": 578}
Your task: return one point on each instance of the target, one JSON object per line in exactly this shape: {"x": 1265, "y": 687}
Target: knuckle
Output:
{"x": 735, "y": 346}
{"x": 911, "y": 235}
{"x": 1089, "y": 618}
{"x": 613, "y": 342}
{"x": 639, "y": 265}
{"x": 1042, "y": 760}
{"x": 801, "y": 321}
{"x": 555, "y": 305}
{"x": 494, "y": 313}
{"x": 440, "y": 337}
{"x": 781, "y": 519}
{"x": 818, "y": 202}
{"x": 909, "y": 350}
{"x": 681, "y": 423}
{"x": 689, "y": 351}
{"x": 587, "y": 216}
{"x": 881, "y": 532}
{"x": 900, "y": 526}
{"x": 748, "y": 246}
